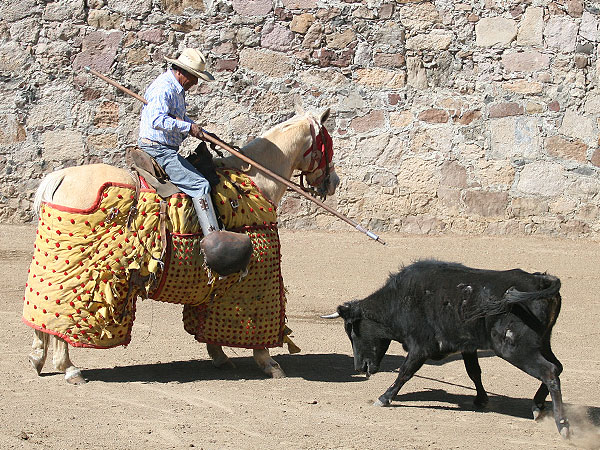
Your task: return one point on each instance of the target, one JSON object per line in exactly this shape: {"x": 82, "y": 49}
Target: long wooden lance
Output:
{"x": 295, "y": 187}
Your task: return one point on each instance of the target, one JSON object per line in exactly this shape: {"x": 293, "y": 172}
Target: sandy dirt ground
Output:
{"x": 161, "y": 392}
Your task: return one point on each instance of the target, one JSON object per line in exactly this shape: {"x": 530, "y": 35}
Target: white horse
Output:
{"x": 284, "y": 149}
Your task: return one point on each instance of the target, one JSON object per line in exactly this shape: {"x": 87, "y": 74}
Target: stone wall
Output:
{"x": 448, "y": 117}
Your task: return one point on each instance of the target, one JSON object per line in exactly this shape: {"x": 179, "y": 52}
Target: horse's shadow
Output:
{"x": 328, "y": 368}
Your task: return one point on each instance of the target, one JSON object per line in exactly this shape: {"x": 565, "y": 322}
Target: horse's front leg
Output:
{"x": 218, "y": 356}
{"x": 267, "y": 364}
{"x": 62, "y": 362}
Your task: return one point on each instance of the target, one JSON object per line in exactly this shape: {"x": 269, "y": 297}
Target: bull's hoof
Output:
{"x": 563, "y": 428}
{"x": 75, "y": 377}
{"x": 480, "y": 402}
{"x": 37, "y": 362}
{"x": 537, "y": 411}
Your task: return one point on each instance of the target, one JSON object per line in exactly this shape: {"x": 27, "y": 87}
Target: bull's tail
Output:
{"x": 46, "y": 189}
{"x": 489, "y": 305}
{"x": 552, "y": 286}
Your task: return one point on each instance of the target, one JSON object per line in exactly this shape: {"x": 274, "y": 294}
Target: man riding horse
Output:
{"x": 163, "y": 127}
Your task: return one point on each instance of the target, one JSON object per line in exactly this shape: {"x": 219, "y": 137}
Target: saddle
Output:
{"x": 225, "y": 253}
{"x": 155, "y": 175}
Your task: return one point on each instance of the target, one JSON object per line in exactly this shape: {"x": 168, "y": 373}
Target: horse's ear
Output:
{"x": 298, "y": 108}
{"x": 324, "y": 116}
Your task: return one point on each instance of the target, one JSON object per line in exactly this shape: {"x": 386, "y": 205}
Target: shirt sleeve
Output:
{"x": 158, "y": 112}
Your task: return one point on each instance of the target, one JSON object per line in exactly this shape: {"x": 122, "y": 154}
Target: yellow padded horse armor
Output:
{"x": 89, "y": 266}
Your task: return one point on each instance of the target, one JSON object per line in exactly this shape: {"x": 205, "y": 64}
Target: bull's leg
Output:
{"x": 37, "y": 357}
{"x": 267, "y": 364}
{"x": 219, "y": 358}
{"x": 62, "y": 362}
{"x": 409, "y": 367}
{"x": 539, "y": 400}
{"x": 539, "y": 367}
{"x": 474, "y": 371}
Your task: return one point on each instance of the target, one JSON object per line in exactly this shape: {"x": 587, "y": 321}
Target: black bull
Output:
{"x": 436, "y": 308}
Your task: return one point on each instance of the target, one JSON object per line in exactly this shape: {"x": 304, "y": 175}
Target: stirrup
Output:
{"x": 226, "y": 252}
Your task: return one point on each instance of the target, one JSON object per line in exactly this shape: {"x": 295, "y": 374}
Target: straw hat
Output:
{"x": 194, "y": 62}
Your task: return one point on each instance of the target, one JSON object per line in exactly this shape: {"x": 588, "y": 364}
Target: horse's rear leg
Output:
{"x": 37, "y": 357}
{"x": 218, "y": 356}
{"x": 267, "y": 364}
{"x": 62, "y": 362}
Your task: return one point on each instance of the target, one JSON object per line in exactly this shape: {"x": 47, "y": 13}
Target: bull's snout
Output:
{"x": 367, "y": 367}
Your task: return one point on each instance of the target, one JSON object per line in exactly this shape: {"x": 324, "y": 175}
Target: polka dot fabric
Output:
{"x": 78, "y": 278}
{"x": 83, "y": 260}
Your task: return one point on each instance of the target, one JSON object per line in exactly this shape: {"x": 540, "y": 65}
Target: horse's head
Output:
{"x": 316, "y": 166}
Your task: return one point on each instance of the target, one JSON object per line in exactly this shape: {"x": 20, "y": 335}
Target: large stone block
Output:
{"x": 131, "y": 7}
{"x": 531, "y": 27}
{"x": 26, "y": 30}
{"x": 418, "y": 175}
{"x": 64, "y": 10}
{"x": 435, "y": 40}
{"x": 98, "y": 50}
{"x": 579, "y": 126}
{"x": 268, "y": 63}
{"x": 590, "y": 27}
{"x": 371, "y": 121}
{"x": 543, "y": 178}
{"x": 419, "y": 17}
{"x": 12, "y": 11}
{"x": 252, "y": 7}
{"x": 276, "y": 37}
{"x": 107, "y": 115}
{"x": 341, "y": 40}
{"x": 178, "y": 7}
{"x": 327, "y": 79}
{"x": 380, "y": 78}
{"x": 301, "y": 23}
{"x": 300, "y": 4}
{"x": 103, "y": 19}
{"x": 486, "y": 203}
{"x": 11, "y": 131}
{"x": 514, "y": 137}
{"x": 561, "y": 33}
{"x": 62, "y": 145}
{"x": 525, "y": 61}
{"x": 491, "y": 31}
{"x": 13, "y": 57}
{"x": 565, "y": 149}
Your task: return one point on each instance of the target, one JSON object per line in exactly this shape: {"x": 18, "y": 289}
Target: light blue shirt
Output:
{"x": 165, "y": 96}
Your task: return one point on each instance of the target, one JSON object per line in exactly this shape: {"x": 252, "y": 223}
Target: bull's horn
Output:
{"x": 334, "y": 315}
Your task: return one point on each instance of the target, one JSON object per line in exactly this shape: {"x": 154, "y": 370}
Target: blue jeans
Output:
{"x": 181, "y": 172}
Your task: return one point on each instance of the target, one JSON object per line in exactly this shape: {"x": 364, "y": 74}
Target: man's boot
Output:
{"x": 224, "y": 252}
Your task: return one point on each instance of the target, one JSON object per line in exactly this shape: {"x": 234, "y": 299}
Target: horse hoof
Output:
{"x": 275, "y": 371}
{"x": 378, "y": 402}
{"x": 224, "y": 365}
{"x": 564, "y": 432}
{"x": 37, "y": 363}
{"x": 75, "y": 377}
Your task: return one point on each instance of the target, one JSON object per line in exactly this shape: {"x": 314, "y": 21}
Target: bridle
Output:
{"x": 321, "y": 152}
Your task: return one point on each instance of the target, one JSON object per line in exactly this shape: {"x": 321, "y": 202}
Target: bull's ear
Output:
{"x": 349, "y": 311}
